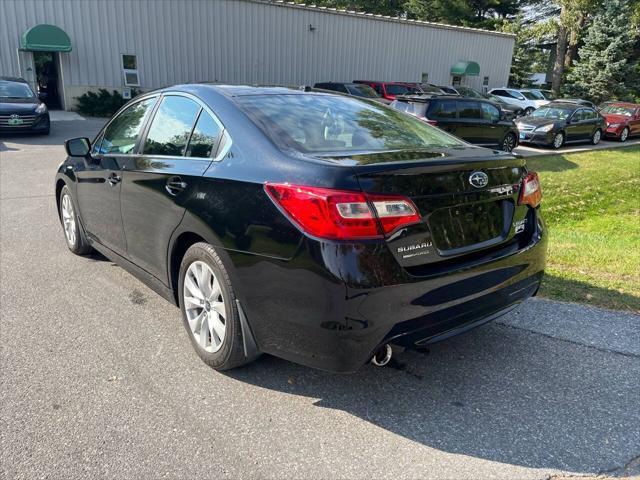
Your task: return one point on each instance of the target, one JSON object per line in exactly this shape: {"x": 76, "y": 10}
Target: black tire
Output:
{"x": 596, "y": 137}
{"x": 624, "y": 134}
{"x": 558, "y": 140}
{"x": 509, "y": 142}
{"x": 528, "y": 110}
{"x": 231, "y": 353}
{"x": 81, "y": 245}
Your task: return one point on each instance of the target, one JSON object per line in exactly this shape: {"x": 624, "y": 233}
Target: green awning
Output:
{"x": 45, "y": 38}
{"x": 465, "y": 68}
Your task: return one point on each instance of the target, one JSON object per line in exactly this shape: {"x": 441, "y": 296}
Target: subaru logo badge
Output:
{"x": 478, "y": 179}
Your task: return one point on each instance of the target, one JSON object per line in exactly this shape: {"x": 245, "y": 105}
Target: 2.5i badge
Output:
{"x": 519, "y": 226}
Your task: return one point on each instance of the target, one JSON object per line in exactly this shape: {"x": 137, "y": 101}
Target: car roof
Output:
{"x": 242, "y": 90}
{"x": 13, "y": 79}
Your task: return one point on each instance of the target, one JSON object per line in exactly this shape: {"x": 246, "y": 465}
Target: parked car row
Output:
{"x": 503, "y": 117}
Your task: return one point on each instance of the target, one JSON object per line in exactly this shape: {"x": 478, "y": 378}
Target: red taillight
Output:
{"x": 340, "y": 214}
{"x": 530, "y": 191}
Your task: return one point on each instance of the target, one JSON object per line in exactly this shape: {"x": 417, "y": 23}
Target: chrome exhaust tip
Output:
{"x": 382, "y": 356}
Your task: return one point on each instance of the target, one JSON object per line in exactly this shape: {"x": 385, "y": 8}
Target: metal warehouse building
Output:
{"x": 71, "y": 46}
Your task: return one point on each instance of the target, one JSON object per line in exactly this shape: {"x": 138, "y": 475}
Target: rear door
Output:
{"x": 177, "y": 148}
{"x": 471, "y": 126}
{"x": 100, "y": 180}
{"x": 445, "y": 114}
{"x": 494, "y": 128}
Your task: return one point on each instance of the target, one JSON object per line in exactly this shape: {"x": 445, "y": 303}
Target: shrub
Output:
{"x": 102, "y": 103}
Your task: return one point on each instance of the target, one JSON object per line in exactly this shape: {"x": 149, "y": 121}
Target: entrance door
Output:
{"x": 46, "y": 68}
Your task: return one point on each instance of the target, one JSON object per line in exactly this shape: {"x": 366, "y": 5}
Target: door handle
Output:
{"x": 175, "y": 185}
{"x": 113, "y": 179}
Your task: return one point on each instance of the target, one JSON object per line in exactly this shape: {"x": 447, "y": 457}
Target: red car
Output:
{"x": 389, "y": 90}
{"x": 623, "y": 120}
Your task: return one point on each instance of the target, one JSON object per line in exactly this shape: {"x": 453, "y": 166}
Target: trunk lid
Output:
{"x": 466, "y": 197}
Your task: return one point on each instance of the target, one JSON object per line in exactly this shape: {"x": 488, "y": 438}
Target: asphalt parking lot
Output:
{"x": 98, "y": 379}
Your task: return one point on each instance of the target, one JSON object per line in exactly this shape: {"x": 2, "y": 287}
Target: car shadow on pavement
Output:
{"x": 498, "y": 393}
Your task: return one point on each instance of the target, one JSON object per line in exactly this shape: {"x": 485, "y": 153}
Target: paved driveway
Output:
{"x": 97, "y": 379}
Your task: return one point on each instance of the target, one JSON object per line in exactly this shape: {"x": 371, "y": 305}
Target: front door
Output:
{"x": 99, "y": 180}
{"x": 576, "y": 128}
{"x": 176, "y": 151}
{"x": 46, "y": 65}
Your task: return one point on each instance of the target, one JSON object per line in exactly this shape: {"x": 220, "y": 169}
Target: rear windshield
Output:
{"x": 15, "y": 90}
{"x": 362, "y": 91}
{"x": 419, "y": 109}
{"x": 323, "y": 123}
{"x": 393, "y": 89}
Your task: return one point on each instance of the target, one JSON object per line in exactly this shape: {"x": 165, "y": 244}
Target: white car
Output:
{"x": 525, "y": 99}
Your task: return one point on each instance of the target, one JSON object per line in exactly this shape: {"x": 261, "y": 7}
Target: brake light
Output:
{"x": 530, "y": 191}
{"x": 341, "y": 214}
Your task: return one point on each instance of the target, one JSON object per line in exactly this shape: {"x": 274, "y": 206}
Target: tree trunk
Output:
{"x": 558, "y": 66}
{"x": 574, "y": 37}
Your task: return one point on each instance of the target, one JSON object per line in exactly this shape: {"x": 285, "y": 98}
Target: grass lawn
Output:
{"x": 591, "y": 203}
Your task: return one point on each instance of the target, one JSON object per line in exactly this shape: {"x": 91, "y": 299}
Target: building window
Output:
{"x": 425, "y": 77}
{"x": 456, "y": 80}
{"x": 130, "y": 70}
{"x": 485, "y": 81}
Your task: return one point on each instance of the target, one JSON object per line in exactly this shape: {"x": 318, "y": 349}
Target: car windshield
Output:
{"x": 362, "y": 91}
{"x": 554, "y": 113}
{"x": 535, "y": 94}
{"x": 529, "y": 96}
{"x": 469, "y": 92}
{"x": 15, "y": 90}
{"x": 618, "y": 110}
{"x": 395, "y": 89}
{"x": 323, "y": 123}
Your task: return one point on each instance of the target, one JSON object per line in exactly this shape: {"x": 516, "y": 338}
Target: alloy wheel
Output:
{"x": 557, "y": 140}
{"x": 204, "y": 306}
{"x": 68, "y": 220}
{"x": 596, "y": 137}
{"x": 624, "y": 134}
{"x": 509, "y": 143}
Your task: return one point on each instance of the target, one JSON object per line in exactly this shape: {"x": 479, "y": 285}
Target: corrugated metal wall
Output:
{"x": 245, "y": 41}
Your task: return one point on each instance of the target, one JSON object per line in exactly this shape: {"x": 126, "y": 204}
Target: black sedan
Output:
{"x": 20, "y": 109}
{"x": 317, "y": 227}
{"x": 559, "y": 123}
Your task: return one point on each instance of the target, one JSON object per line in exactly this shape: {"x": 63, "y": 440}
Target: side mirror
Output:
{"x": 78, "y": 147}
{"x": 42, "y": 96}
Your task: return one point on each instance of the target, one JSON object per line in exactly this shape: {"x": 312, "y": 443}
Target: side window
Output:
{"x": 469, "y": 110}
{"x": 444, "y": 109}
{"x": 500, "y": 93}
{"x": 490, "y": 112}
{"x": 122, "y": 133}
{"x": 578, "y": 116}
{"x": 204, "y": 137}
{"x": 378, "y": 89}
{"x": 589, "y": 115}
{"x": 171, "y": 127}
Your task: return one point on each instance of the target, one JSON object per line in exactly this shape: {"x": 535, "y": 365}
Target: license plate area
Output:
{"x": 466, "y": 227}
{"x": 15, "y": 121}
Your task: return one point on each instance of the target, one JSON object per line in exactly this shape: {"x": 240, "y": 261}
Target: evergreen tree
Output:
{"x": 603, "y": 70}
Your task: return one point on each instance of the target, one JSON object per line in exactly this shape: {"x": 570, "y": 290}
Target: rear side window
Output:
{"x": 204, "y": 138}
{"x": 489, "y": 112}
{"x": 500, "y": 93}
{"x": 444, "y": 109}
{"x": 122, "y": 133}
{"x": 469, "y": 110}
{"x": 171, "y": 127}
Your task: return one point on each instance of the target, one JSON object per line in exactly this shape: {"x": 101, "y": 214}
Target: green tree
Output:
{"x": 603, "y": 70}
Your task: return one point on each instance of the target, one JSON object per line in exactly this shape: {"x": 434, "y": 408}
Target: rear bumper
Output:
{"x": 333, "y": 305}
